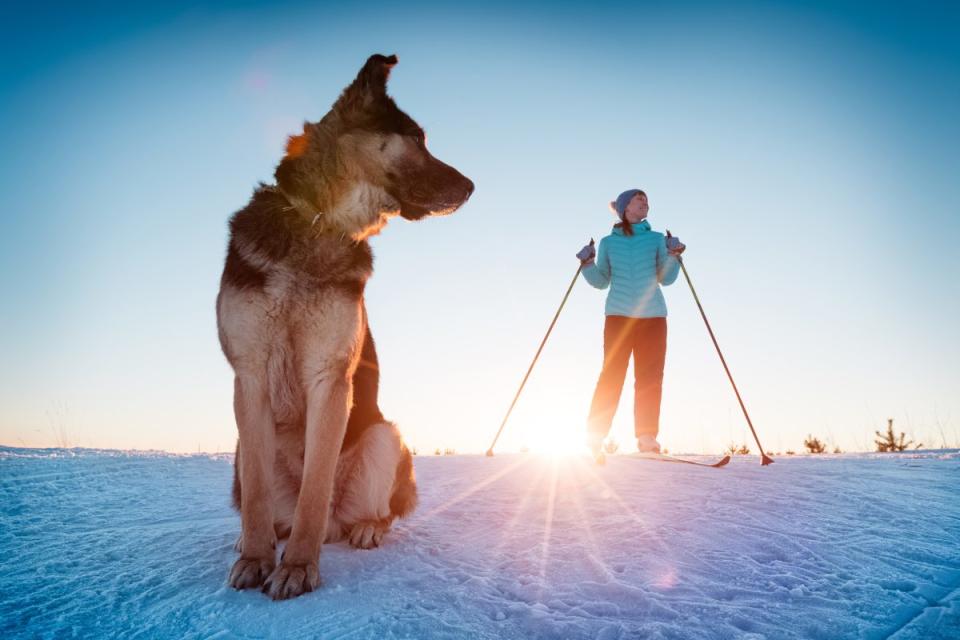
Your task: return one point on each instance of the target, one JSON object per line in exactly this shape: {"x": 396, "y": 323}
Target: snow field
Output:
{"x": 138, "y": 545}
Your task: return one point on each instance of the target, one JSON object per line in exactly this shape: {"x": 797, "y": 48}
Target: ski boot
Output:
{"x": 648, "y": 444}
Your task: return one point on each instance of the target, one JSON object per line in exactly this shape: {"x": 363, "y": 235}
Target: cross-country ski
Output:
{"x": 662, "y": 457}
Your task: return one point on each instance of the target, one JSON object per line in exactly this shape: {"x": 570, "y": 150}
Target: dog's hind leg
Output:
{"x": 375, "y": 485}
{"x": 375, "y": 481}
{"x": 255, "y": 455}
{"x": 357, "y": 511}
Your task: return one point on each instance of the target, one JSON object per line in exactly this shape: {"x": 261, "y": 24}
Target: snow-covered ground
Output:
{"x": 138, "y": 545}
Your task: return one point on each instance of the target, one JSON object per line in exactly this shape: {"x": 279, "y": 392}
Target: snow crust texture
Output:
{"x": 138, "y": 545}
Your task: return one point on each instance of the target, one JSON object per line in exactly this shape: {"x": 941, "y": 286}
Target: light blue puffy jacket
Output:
{"x": 633, "y": 267}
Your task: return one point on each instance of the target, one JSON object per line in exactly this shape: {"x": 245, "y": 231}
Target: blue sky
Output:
{"x": 805, "y": 152}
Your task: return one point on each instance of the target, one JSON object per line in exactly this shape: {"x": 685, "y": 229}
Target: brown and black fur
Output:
{"x": 316, "y": 460}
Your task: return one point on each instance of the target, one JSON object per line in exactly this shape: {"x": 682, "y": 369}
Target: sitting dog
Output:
{"x": 316, "y": 461}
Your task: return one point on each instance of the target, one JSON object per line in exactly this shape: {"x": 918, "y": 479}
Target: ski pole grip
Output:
{"x": 679, "y": 259}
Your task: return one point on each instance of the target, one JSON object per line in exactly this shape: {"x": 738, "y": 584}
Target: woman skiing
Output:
{"x": 633, "y": 261}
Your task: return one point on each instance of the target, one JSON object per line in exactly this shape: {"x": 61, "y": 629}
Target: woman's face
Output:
{"x": 637, "y": 208}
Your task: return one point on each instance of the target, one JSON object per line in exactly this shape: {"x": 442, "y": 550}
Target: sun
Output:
{"x": 548, "y": 440}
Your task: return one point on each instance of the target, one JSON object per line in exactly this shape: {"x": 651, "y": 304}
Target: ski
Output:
{"x": 665, "y": 458}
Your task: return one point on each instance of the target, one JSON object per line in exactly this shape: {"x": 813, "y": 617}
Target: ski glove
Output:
{"x": 587, "y": 254}
{"x": 674, "y": 246}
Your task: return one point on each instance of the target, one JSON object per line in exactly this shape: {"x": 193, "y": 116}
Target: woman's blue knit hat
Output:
{"x": 620, "y": 205}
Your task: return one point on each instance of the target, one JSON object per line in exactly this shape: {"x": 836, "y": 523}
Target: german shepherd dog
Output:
{"x": 316, "y": 461}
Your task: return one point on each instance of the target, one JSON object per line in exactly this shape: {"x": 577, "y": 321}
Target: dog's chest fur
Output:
{"x": 291, "y": 300}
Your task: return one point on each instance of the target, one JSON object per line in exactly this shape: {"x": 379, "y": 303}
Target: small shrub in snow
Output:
{"x": 741, "y": 450}
{"x": 814, "y": 445}
{"x": 887, "y": 442}
{"x": 449, "y": 452}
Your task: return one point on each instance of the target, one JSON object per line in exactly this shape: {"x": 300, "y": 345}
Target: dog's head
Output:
{"x": 367, "y": 160}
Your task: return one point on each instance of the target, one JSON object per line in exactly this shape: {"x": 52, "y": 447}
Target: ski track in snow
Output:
{"x": 138, "y": 545}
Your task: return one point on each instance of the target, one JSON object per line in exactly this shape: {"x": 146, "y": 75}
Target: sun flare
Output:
{"x": 555, "y": 443}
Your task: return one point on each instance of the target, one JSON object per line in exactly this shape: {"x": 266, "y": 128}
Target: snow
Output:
{"x": 138, "y": 545}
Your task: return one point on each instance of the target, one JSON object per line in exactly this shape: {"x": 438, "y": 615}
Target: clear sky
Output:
{"x": 806, "y": 152}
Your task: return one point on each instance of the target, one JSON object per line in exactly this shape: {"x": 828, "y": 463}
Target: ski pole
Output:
{"x": 764, "y": 458}
{"x": 542, "y": 342}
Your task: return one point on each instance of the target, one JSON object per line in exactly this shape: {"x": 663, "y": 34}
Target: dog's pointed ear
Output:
{"x": 375, "y": 73}
{"x": 370, "y": 84}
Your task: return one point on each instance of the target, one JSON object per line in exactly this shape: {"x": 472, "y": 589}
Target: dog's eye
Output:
{"x": 383, "y": 145}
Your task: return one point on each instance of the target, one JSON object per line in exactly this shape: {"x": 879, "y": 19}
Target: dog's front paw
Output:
{"x": 368, "y": 534}
{"x": 291, "y": 580}
{"x": 250, "y": 572}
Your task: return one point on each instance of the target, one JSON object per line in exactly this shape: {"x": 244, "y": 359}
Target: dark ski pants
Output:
{"x": 646, "y": 339}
